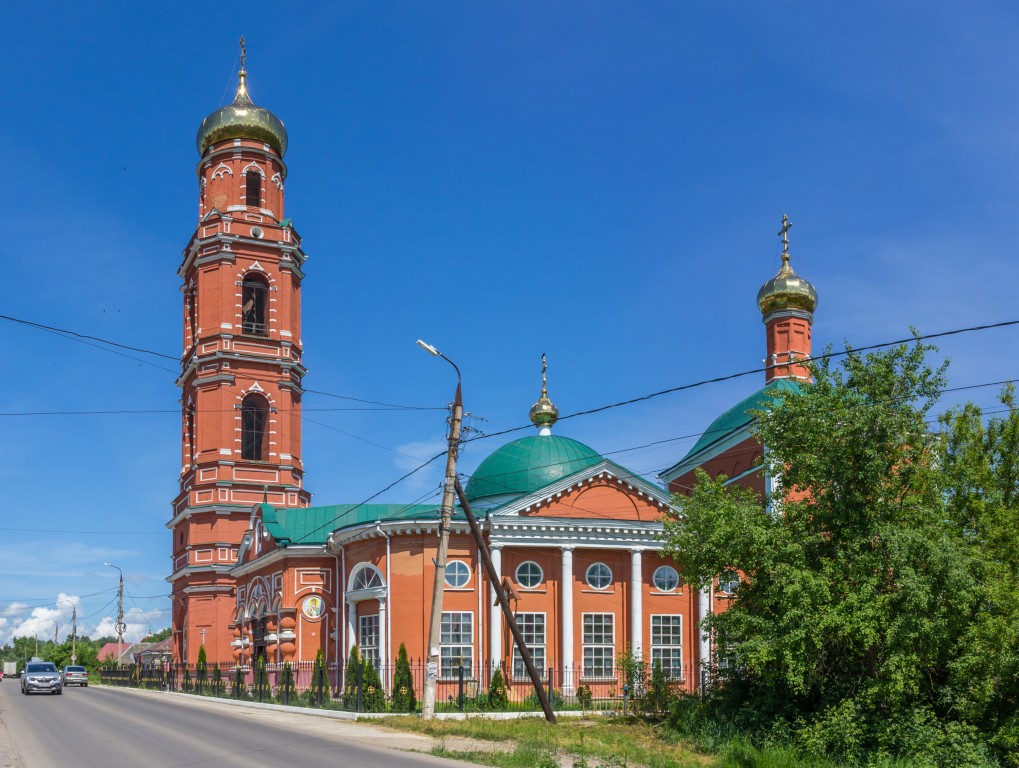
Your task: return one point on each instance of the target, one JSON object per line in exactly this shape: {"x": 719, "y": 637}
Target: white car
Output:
{"x": 41, "y": 676}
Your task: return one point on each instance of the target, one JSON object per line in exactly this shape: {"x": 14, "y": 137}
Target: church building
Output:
{"x": 575, "y": 537}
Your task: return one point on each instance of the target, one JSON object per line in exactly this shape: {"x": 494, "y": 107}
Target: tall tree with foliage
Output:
{"x": 981, "y": 464}
{"x": 848, "y": 628}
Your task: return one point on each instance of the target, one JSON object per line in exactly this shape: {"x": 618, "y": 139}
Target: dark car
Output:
{"x": 41, "y": 676}
{"x": 74, "y": 676}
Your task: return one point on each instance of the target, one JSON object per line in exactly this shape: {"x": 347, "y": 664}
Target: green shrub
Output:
{"x": 404, "y": 699}
{"x": 497, "y": 698}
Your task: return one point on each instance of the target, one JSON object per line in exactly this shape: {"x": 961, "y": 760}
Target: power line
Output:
{"x": 756, "y": 371}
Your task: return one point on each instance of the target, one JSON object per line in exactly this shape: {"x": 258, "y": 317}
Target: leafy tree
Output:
{"x": 155, "y": 637}
{"x": 404, "y": 699}
{"x": 859, "y": 589}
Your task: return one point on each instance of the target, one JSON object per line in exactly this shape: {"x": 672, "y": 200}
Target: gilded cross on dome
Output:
{"x": 244, "y": 53}
{"x": 784, "y": 234}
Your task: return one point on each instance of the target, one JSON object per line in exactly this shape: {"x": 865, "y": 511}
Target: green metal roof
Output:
{"x": 527, "y": 464}
{"x": 312, "y": 525}
{"x": 742, "y": 413}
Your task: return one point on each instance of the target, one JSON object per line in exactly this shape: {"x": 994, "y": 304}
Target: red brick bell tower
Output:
{"x": 241, "y": 368}
{"x": 787, "y": 303}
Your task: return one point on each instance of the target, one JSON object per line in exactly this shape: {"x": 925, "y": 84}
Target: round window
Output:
{"x": 529, "y": 574}
{"x": 457, "y": 573}
{"x": 599, "y": 576}
{"x": 665, "y": 579}
{"x": 728, "y": 583}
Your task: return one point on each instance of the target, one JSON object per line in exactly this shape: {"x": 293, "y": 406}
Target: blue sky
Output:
{"x": 599, "y": 181}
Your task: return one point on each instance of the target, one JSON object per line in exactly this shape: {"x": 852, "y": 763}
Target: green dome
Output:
{"x": 528, "y": 464}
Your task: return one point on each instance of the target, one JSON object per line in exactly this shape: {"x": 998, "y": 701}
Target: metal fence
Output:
{"x": 369, "y": 688}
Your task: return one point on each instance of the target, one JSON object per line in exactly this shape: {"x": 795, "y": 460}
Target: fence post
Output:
{"x": 551, "y": 679}
{"x": 460, "y": 687}
{"x": 360, "y": 685}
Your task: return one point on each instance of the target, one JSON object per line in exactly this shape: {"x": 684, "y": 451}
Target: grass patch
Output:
{"x": 615, "y": 742}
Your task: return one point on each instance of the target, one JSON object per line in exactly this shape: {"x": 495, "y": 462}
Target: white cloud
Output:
{"x": 415, "y": 454}
{"x": 139, "y": 624}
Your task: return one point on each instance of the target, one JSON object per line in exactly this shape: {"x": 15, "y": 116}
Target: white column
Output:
{"x": 495, "y": 615}
{"x": 351, "y": 630}
{"x": 703, "y": 609}
{"x": 566, "y": 655}
{"x": 636, "y": 604}
{"x": 383, "y": 644}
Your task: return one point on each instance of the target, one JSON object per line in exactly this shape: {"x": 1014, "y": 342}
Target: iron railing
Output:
{"x": 367, "y": 688}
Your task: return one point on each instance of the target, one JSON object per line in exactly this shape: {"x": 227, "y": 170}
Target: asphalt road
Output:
{"x": 99, "y": 727}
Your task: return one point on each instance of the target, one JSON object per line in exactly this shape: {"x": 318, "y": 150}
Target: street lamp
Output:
{"x": 435, "y": 625}
{"x": 120, "y": 613}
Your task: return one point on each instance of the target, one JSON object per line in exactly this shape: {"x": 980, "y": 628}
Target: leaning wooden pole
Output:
{"x": 511, "y": 620}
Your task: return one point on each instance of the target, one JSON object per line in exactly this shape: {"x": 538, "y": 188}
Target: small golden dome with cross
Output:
{"x": 242, "y": 120}
{"x": 544, "y": 413}
{"x": 786, "y": 290}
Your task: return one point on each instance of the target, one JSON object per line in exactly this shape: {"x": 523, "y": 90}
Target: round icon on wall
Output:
{"x": 313, "y": 606}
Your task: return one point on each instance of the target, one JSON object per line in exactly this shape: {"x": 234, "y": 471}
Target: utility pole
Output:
{"x": 74, "y": 634}
{"x": 435, "y": 626}
{"x": 121, "y": 626}
{"x": 511, "y": 620}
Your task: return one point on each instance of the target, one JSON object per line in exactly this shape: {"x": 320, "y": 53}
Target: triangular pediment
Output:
{"x": 605, "y": 491}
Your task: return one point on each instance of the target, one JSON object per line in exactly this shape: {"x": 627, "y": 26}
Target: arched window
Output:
{"x": 366, "y": 577}
{"x": 254, "y": 415}
{"x": 253, "y": 189}
{"x": 254, "y": 300}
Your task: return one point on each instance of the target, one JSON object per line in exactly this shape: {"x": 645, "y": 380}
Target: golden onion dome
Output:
{"x": 242, "y": 120}
{"x": 786, "y": 290}
{"x": 544, "y": 413}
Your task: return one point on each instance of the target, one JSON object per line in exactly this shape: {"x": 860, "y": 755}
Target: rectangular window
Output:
{"x": 667, "y": 644}
{"x": 599, "y": 644}
{"x": 532, "y": 627}
{"x": 456, "y": 644}
{"x": 368, "y": 638}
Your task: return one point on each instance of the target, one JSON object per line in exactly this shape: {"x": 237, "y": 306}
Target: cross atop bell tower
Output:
{"x": 241, "y": 370}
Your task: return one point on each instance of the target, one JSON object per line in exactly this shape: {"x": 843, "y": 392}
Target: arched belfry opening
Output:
{"x": 253, "y": 189}
{"x": 254, "y": 428}
{"x": 254, "y": 305}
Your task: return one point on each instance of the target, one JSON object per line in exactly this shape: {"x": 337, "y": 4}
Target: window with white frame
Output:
{"x": 666, "y": 578}
{"x": 458, "y": 573}
{"x": 599, "y": 576}
{"x": 529, "y": 574}
{"x": 366, "y": 577}
{"x": 728, "y": 583}
{"x": 368, "y": 638}
{"x": 456, "y": 644}
{"x": 532, "y": 627}
{"x": 667, "y": 644}
{"x": 599, "y": 644}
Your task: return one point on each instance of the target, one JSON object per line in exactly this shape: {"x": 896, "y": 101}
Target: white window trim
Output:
{"x": 587, "y": 576}
{"x": 543, "y": 645}
{"x": 466, "y": 583}
{"x": 583, "y": 646}
{"x": 468, "y": 644}
{"x": 676, "y": 589}
{"x": 541, "y": 572}
{"x": 682, "y": 656}
{"x": 376, "y": 657}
